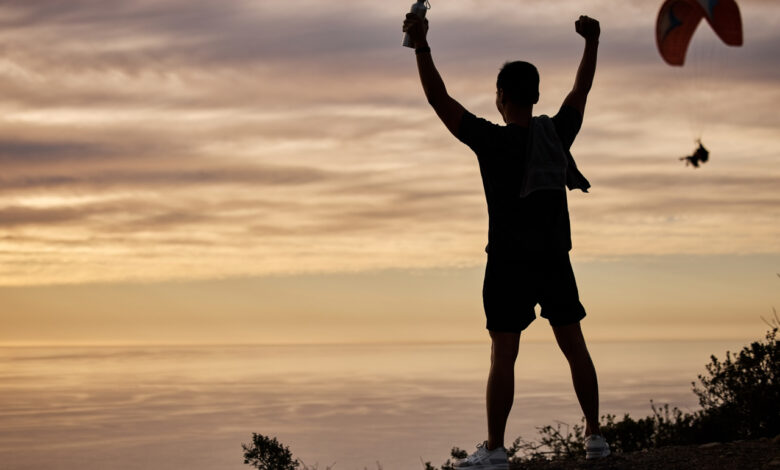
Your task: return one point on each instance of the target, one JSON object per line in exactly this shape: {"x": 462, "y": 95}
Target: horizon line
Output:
{"x": 174, "y": 344}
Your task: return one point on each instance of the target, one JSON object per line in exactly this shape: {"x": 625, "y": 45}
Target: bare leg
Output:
{"x": 583, "y": 374}
{"x": 501, "y": 385}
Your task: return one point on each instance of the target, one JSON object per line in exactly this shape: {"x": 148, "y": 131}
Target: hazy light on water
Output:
{"x": 179, "y": 407}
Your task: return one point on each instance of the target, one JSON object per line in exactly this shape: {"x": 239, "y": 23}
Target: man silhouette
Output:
{"x": 525, "y": 167}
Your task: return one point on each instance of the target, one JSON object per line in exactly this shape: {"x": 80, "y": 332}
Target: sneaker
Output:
{"x": 596, "y": 447}
{"x": 484, "y": 459}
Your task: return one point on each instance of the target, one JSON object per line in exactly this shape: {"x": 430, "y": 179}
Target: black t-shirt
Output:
{"x": 530, "y": 226}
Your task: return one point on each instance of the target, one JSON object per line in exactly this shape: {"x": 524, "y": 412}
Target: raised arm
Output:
{"x": 589, "y": 29}
{"x": 449, "y": 111}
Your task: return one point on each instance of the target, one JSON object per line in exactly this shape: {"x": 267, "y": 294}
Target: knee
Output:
{"x": 575, "y": 352}
{"x": 504, "y": 348}
{"x": 502, "y": 354}
{"x": 571, "y": 342}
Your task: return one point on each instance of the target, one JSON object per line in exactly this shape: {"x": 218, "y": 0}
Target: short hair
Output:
{"x": 520, "y": 82}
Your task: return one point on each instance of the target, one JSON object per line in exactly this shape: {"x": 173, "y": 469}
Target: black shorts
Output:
{"x": 513, "y": 286}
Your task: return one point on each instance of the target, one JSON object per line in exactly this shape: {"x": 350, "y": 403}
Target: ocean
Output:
{"x": 349, "y": 406}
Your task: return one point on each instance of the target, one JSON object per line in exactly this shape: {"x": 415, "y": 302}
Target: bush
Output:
{"x": 559, "y": 442}
{"x": 664, "y": 427}
{"x": 268, "y": 454}
{"x": 741, "y": 395}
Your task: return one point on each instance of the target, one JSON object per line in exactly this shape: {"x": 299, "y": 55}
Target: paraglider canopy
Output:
{"x": 678, "y": 19}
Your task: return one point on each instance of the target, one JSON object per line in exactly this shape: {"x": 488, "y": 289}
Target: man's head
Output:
{"x": 517, "y": 83}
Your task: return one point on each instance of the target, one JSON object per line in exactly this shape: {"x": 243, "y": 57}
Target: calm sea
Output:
{"x": 85, "y": 408}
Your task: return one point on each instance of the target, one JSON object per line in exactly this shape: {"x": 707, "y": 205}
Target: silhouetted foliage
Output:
{"x": 741, "y": 395}
{"x": 559, "y": 442}
{"x": 268, "y": 454}
{"x": 456, "y": 453}
{"x": 664, "y": 427}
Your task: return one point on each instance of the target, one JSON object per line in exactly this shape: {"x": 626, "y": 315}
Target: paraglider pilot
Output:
{"x": 701, "y": 155}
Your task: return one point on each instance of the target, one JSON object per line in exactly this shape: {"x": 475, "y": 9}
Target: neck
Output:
{"x": 520, "y": 115}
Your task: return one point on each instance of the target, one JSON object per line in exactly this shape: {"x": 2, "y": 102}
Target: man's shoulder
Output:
{"x": 567, "y": 124}
{"x": 470, "y": 119}
{"x": 568, "y": 114}
{"x": 476, "y": 131}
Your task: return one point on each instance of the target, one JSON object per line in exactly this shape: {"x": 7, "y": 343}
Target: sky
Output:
{"x": 255, "y": 171}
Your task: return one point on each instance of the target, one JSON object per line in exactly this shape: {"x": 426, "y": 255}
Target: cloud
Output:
{"x": 191, "y": 179}
{"x": 263, "y": 137}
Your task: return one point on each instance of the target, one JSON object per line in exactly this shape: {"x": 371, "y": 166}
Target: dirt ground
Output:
{"x": 762, "y": 454}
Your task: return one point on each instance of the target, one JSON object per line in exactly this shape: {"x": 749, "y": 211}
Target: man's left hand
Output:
{"x": 588, "y": 28}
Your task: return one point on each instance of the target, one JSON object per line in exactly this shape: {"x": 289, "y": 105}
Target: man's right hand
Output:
{"x": 588, "y": 28}
{"x": 417, "y": 28}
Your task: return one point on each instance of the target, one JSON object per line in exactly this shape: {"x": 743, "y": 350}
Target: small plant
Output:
{"x": 268, "y": 454}
{"x": 664, "y": 427}
{"x": 559, "y": 442}
{"x": 566, "y": 444}
{"x": 456, "y": 453}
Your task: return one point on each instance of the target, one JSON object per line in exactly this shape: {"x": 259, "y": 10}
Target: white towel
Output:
{"x": 549, "y": 165}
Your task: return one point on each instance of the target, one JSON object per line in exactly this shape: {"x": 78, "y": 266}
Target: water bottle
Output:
{"x": 419, "y": 9}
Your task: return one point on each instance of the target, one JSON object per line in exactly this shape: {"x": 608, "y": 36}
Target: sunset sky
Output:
{"x": 269, "y": 171}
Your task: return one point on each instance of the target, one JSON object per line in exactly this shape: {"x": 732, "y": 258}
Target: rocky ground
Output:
{"x": 762, "y": 454}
